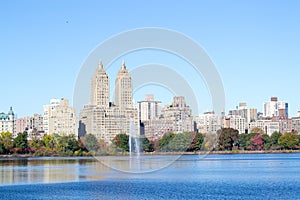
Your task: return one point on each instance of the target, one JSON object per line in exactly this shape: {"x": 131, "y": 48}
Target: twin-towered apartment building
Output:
{"x": 106, "y": 119}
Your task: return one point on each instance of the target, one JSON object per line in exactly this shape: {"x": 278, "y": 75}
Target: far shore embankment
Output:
{"x": 162, "y": 153}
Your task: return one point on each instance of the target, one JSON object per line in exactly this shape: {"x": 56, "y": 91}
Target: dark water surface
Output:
{"x": 255, "y": 176}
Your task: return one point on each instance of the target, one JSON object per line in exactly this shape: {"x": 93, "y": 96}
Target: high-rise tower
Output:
{"x": 123, "y": 90}
{"x": 100, "y": 87}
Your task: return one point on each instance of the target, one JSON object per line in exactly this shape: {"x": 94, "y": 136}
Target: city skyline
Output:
{"x": 256, "y": 54}
{"x": 106, "y": 119}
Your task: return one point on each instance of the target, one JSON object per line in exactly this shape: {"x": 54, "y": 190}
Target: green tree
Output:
{"x": 147, "y": 146}
{"x": 72, "y": 143}
{"x": 274, "y": 138}
{"x": 228, "y": 138}
{"x": 36, "y": 143}
{"x": 1, "y": 148}
{"x": 181, "y": 142}
{"x": 48, "y": 141}
{"x": 165, "y": 140}
{"x": 242, "y": 141}
{"x": 121, "y": 141}
{"x": 21, "y": 141}
{"x": 266, "y": 141}
{"x": 6, "y": 141}
{"x": 91, "y": 143}
{"x": 67, "y": 144}
{"x": 288, "y": 140}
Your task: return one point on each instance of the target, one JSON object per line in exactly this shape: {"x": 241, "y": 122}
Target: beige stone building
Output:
{"x": 209, "y": 122}
{"x": 123, "y": 88}
{"x": 236, "y": 122}
{"x": 59, "y": 118}
{"x": 175, "y": 118}
{"x": 105, "y": 119}
{"x": 180, "y": 114}
{"x": 100, "y": 88}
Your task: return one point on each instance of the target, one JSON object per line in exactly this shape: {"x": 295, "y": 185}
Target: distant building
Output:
{"x": 7, "y": 121}
{"x": 59, "y": 118}
{"x": 100, "y": 88}
{"x": 105, "y": 119}
{"x": 181, "y": 114}
{"x": 33, "y": 125}
{"x": 275, "y": 108}
{"x": 296, "y": 124}
{"x": 149, "y": 109}
{"x": 208, "y": 122}
{"x": 236, "y": 122}
{"x": 285, "y": 124}
{"x": 123, "y": 91}
{"x": 154, "y": 129}
{"x": 250, "y": 114}
{"x": 268, "y": 126}
{"x": 175, "y": 118}
{"x": 20, "y": 125}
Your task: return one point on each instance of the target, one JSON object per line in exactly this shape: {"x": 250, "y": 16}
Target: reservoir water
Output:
{"x": 240, "y": 176}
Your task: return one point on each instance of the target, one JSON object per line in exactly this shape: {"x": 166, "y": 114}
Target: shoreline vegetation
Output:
{"x": 241, "y": 152}
{"x": 225, "y": 141}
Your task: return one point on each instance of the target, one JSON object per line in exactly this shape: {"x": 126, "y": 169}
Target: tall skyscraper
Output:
{"x": 105, "y": 119}
{"x": 100, "y": 87}
{"x": 123, "y": 90}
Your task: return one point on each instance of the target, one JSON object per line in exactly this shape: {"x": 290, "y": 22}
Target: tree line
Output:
{"x": 48, "y": 145}
{"x": 226, "y": 139}
{"x": 230, "y": 139}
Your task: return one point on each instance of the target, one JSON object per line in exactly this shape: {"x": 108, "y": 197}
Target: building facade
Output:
{"x": 268, "y": 126}
{"x": 7, "y": 121}
{"x": 275, "y": 108}
{"x": 105, "y": 119}
{"x": 149, "y": 109}
{"x": 236, "y": 122}
{"x": 100, "y": 87}
{"x": 33, "y": 125}
{"x": 123, "y": 88}
{"x": 296, "y": 124}
{"x": 209, "y": 122}
{"x": 59, "y": 118}
{"x": 250, "y": 114}
{"x": 175, "y": 118}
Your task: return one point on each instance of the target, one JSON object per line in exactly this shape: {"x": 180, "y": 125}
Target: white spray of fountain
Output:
{"x": 133, "y": 137}
{"x": 134, "y": 148}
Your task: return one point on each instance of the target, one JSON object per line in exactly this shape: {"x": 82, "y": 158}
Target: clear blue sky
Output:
{"x": 254, "y": 44}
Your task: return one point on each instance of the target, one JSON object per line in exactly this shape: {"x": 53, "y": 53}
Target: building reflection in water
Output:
{"x": 50, "y": 170}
